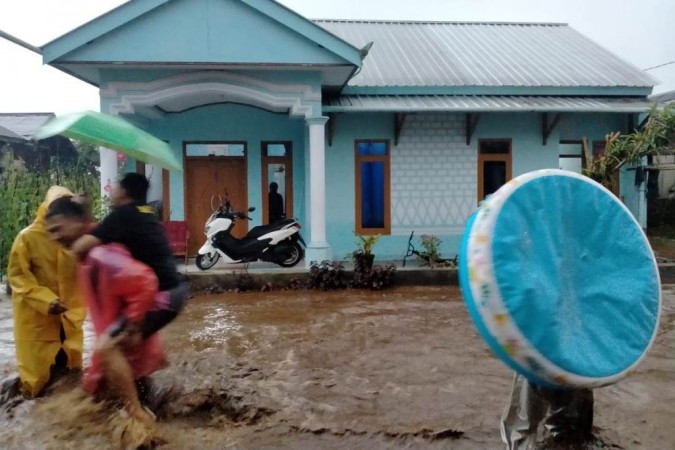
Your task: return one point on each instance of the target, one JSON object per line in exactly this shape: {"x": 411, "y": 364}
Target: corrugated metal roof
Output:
{"x": 478, "y": 103}
{"x": 482, "y": 54}
{"x": 9, "y": 135}
{"x": 24, "y": 124}
{"x": 664, "y": 98}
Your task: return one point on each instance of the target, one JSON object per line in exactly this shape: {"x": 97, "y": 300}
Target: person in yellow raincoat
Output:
{"x": 48, "y": 305}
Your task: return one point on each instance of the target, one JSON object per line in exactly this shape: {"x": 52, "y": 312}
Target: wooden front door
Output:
{"x": 214, "y": 178}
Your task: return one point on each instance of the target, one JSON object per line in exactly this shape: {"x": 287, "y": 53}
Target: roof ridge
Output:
{"x": 442, "y": 22}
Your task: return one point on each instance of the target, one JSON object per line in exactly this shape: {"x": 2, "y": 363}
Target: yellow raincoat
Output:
{"x": 40, "y": 271}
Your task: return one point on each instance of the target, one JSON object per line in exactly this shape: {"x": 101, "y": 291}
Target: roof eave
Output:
{"x": 359, "y": 109}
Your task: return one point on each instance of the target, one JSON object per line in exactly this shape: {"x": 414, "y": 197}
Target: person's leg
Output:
{"x": 61, "y": 361}
{"x": 158, "y": 319}
{"x": 571, "y": 415}
{"x": 73, "y": 343}
{"x": 34, "y": 361}
{"x": 119, "y": 376}
{"x": 522, "y": 416}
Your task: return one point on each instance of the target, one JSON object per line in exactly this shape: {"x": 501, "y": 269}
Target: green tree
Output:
{"x": 22, "y": 190}
{"x": 656, "y": 137}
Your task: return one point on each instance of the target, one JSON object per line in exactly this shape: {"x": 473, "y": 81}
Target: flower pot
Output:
{"x": 363, "y": 262}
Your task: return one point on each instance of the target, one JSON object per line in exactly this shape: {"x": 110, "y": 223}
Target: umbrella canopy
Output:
{"x": 112, "y": 132}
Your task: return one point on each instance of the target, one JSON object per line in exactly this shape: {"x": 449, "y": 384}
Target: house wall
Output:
{"x": 208, "y": 31}
{"x": 434, "y": 172}
{"x": 235, "y": 123}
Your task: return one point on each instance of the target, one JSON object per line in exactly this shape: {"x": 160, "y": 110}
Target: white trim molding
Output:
{"x": 298, "y": 99}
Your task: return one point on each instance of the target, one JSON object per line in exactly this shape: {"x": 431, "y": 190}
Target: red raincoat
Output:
{"x": 114, "y": 285}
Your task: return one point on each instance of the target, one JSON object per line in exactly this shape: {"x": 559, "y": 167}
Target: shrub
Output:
{"x": 377, "y": 278}
{"x": 431, "y": 254}
{"x": 327, "y": 276}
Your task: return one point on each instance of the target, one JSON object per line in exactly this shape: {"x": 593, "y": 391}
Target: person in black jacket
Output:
{"x": 276, "y": 204}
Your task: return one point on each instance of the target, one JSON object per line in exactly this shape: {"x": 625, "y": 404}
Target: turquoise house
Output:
{"x": 368, "y": 127}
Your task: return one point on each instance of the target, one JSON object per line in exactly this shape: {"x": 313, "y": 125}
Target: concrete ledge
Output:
{"x": 422, "y": 276}
{"x": 201, "y": 281}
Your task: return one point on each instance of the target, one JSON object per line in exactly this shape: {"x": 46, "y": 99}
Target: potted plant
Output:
{"x": 363, "y": 257}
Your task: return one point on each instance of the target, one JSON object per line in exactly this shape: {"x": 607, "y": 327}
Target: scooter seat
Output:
{"x": 261, "y": 230}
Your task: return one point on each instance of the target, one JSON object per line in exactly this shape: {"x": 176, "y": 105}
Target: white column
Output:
{"x": 108, "y": 170}
{"x": 318, "y": 248}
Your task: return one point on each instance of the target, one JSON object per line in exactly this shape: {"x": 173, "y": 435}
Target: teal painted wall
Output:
{"x": 592, "y": 126}
{"x": 208, "y": 31}
{"x": 235, "y": 123}
{"x": 340, "y": 183}
{"x": 243, "y": 123}
{"x": 528, "y": 151}
{"x": 529, "y": 154}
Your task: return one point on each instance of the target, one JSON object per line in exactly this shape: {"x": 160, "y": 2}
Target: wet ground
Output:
{"x": 346, "y": 370}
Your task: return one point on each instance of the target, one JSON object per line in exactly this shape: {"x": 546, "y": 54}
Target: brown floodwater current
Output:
{"x": 399, "y": 369}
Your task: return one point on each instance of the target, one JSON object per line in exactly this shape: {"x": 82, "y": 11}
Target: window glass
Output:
{"x": 495, "y": 147}
{"x": 573, "y": 164}
{"x": 276, "y": 149}
{"x": 571, "y": 149}
{"x": 236, "y": 149}
{"x": 494, "y": 176}
{"x": 372, "y": 148}
{"x": 372, "y": 194}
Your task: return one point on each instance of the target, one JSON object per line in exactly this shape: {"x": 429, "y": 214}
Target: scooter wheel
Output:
{"x": 292, "y": 254}
{"x": 207, "y": 260}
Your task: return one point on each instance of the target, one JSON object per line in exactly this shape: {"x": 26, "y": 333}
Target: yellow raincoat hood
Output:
{"x": 41, "y": 271}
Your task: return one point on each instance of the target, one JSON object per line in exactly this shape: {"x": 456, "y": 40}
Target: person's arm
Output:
{"x": 111, "y": 229}
{"x": 85, "y": 243}
{"x": 23, "y": 281}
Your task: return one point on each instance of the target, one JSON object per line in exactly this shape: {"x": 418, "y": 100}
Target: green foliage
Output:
{"x": 22, "y": 191}
{"x": 656, "y": 137}
{"x": 366, "y": 243}
{"x": 431, "y": 253}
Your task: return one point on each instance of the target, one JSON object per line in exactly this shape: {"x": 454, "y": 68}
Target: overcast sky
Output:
{"x": 640, "y": 31}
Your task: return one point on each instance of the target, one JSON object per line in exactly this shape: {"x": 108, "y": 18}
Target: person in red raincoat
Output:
{"x": 126, "y": 308}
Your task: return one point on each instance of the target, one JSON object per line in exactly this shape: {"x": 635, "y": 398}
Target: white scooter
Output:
{"x": 278, "y": 243}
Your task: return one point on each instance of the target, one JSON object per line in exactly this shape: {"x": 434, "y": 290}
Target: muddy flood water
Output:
{"x": 403, "y": 369}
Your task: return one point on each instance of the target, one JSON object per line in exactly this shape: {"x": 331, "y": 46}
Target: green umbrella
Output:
{"x": 112, "y": 132}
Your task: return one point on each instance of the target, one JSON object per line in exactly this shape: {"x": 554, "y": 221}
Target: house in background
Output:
{"x": 662, "y": 167}
{"x": 368, "y": 127}
{"x": 16, "y": 131}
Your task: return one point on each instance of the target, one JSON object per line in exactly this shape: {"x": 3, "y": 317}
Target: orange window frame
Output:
{"x": 358, "y": 160}
{"x": 492, "y": 157}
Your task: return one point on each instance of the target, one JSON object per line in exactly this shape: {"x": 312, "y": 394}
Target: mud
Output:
{"x": 346, "y": 370}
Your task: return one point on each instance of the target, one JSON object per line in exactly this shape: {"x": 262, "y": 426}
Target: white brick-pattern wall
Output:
{"x": 433, "y": 175}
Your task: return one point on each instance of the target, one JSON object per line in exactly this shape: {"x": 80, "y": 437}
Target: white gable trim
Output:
{"x": 299, "y": 99}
